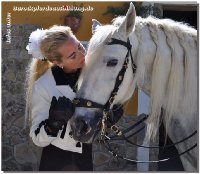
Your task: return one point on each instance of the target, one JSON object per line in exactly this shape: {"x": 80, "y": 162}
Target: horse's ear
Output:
{"x": 128, "y": 23}
{"x": 95, "y": 25}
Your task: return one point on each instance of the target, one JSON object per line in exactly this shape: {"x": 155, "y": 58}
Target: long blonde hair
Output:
{"x": 51, "y": 41}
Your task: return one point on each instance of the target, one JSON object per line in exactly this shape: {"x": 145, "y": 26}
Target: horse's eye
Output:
{"x": 112, "y": 62}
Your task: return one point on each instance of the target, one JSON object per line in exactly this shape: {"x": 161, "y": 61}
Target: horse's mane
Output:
{"x": 168, "y": 89}
{"x": 165, "y": 23}
{"x": 179, "y": 85}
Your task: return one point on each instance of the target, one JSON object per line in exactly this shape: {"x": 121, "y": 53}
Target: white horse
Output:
{"x": 165, "y": 53}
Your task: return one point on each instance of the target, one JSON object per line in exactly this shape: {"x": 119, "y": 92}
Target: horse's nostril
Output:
{"x": 82, "y": 126}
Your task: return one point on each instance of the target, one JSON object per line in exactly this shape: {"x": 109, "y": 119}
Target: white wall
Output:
{"x": 143, "y": 153}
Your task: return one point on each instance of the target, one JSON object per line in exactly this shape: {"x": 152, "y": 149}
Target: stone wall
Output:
{"x": 18, "y": 151}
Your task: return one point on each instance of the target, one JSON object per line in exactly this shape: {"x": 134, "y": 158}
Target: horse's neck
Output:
{"x": 144, "y": 57}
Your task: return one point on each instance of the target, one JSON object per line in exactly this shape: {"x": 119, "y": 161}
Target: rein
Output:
{"x": 122, "y": 136}
{"x": 81, "y": 102}
{"x": 115, "y": 154}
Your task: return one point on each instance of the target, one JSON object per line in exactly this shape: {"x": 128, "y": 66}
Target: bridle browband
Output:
{"x": 81, "y": 102}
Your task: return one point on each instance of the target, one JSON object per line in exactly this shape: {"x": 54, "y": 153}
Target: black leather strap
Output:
{"x": 80, "y": 102}
{"x": 118, "y": 82}
{"x": 120, "y": 42}
{"x": 134, "y": 67}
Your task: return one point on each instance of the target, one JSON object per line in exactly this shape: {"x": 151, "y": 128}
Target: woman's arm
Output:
{"x": 41, "y": 102}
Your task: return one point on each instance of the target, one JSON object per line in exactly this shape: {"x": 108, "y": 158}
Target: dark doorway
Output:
{"x": 173, "y": 164}
{"x": 189, "y": 17}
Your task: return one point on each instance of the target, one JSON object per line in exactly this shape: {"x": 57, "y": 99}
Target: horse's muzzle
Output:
{"x": 85, "y": 126}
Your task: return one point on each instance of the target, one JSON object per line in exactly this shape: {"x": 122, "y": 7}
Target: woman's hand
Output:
{"x": 60, "y": 112}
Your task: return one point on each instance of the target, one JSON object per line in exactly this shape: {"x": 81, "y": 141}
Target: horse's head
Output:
{"x": 105, "y": 60}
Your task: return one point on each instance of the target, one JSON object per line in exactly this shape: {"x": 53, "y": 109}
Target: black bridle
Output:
{"x": 81, "y": 102}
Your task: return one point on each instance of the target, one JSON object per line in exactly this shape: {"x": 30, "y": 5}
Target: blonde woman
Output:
{"x": 52, "y": 76}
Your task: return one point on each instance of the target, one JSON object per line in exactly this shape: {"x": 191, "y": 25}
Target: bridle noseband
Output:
{"x": 80, "y": 102}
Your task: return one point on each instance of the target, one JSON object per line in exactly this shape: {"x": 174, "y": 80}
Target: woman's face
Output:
{"x": 73, "y": 55}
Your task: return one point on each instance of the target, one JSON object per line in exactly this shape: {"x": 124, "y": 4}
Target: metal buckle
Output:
{"x": 125, "y": 65}
{"x": 114, "y": 93}
{"x": 103, "y": 125}
{"x": 103, "y": 128}
{"x": 115, "y": 129}
{"x": 120, "y": 78}
{"x": 89, "y": 103}
{"x": 111, "y": 100}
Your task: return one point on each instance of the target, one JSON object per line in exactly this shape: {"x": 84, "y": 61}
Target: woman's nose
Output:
{"x": 83, "y": 51}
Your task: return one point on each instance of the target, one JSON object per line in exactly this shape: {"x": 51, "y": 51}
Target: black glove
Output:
{"x": 60, "y": 112}
{"x": 114, "y": 115}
